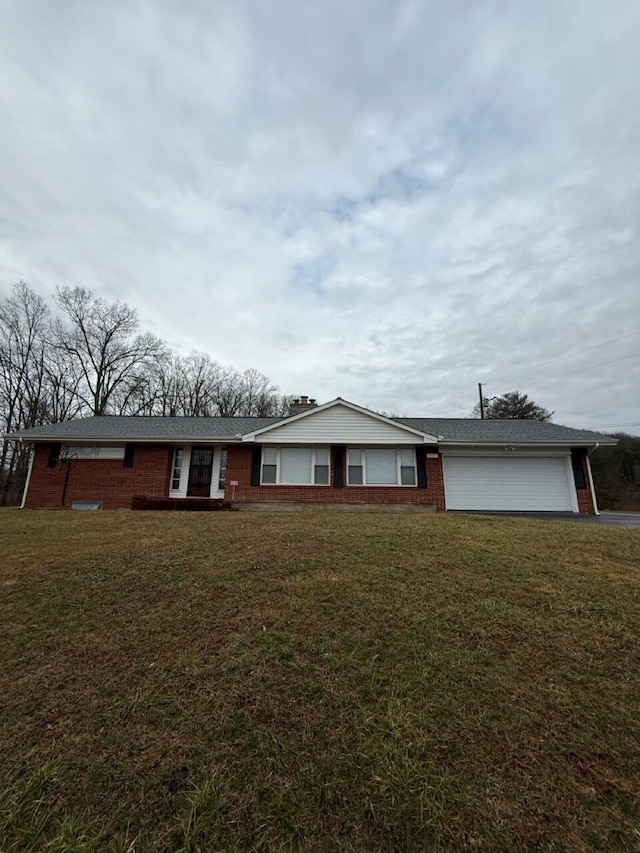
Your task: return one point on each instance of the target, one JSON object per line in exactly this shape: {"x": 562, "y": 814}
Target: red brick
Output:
{"x": 239, "y": 468}
{"x": 104, "y": 480}
{"x": 107, "y": 481}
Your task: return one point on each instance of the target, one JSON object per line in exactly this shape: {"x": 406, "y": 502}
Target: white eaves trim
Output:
{"x": 517, "y": 444}
{"x": 121, "y": 439}
{"x": 345, "y": 404}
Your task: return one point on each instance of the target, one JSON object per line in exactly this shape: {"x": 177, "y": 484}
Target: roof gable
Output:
{"x": 339, "y": 422}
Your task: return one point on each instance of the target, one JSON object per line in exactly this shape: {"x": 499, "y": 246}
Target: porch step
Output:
{"x": 307, "y": 506}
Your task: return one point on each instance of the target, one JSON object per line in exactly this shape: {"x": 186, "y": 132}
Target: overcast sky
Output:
{"x": 381, "y": 200}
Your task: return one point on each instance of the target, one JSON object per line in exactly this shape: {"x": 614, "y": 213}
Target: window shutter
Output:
{"x": 578, "y": 468}
{"x": 255, "y": 464}
{"x": 337, "y": 463}
{"x": 129, "y": 454}
{"x": 421, "y": 466}
{"x": 54, "y": 455}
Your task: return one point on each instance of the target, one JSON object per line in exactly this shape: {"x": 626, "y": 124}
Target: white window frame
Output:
{"x": 398, "y": 484}
{"x": 314, "y": 451}
{"x": 176, "y": 449}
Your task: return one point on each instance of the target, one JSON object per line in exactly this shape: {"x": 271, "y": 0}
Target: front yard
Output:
{"x": 236, "y": 681}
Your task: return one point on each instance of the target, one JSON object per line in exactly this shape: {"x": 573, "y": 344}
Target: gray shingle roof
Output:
{"x": 114, "y": 428}
{"x": 468, "y": 429}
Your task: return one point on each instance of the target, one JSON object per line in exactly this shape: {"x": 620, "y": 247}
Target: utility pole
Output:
{"x": 481, "y": 401}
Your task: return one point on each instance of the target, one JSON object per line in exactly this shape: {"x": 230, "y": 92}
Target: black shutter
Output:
{"x": 129, "y": 453}
{"x": 54, "y": 455}
{"x": 421, "y": 466}
{"x": 255, "y": 464}
{"x": 337, "y": 463}
{"x": 578, "y": 468}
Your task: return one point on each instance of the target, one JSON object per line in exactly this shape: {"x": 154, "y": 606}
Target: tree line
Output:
{"x": 83, "y": 355}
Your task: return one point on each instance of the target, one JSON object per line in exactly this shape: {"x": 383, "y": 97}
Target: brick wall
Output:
{"x": 239, "y": 468}
{"x": 585, "y": 498}
{"x": 107, "y": 481}
{"x": 104, "y": 480}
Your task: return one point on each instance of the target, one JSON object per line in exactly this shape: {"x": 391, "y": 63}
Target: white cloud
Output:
{"x": 383, "y": 200}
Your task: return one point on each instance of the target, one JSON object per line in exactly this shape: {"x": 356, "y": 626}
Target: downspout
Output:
{"x": 32, "y": 454}
{"x": 593, "y": 491}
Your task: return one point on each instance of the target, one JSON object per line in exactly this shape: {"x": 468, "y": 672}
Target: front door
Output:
{"x": 200, "y": 471}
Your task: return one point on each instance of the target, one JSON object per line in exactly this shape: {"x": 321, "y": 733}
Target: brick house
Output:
{"x": 336, "y": 452}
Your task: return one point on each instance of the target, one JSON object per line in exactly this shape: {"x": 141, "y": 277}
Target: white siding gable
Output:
{"x": 339, "y": 425}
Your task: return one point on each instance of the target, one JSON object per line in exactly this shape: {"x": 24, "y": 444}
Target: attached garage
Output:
{"x": 509, "y": 483}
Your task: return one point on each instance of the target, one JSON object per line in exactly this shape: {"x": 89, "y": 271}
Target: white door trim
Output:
{"x": 215, "y": 491}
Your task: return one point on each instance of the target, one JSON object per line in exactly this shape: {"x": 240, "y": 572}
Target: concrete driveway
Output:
{"x": 608, "y": 519}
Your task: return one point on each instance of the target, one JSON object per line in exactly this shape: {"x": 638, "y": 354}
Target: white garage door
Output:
{"x": 512, "y": 483}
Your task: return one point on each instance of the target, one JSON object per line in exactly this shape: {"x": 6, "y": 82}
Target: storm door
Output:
{"x": 200, "y": 471}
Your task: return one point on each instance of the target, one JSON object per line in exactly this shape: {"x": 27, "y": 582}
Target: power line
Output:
{"x": 613, "y": 426}
{"x": 591, "y": 366}
{"x": 563, "y": 357}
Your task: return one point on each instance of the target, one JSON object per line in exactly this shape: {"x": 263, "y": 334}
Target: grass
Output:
{"x": 316, "y": 682}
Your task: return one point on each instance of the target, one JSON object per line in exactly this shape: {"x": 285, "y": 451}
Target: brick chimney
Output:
{"x": 301, "y": 404}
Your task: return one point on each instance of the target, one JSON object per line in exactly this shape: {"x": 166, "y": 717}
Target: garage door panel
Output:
{"x": 510, "y": 483}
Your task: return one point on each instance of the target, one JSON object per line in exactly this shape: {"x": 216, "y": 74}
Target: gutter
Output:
{"x": 121, "y": 439}
{"x": 444, "y": 443}
{"x": 32, "y": 456}
{"x": 591, "y": 486}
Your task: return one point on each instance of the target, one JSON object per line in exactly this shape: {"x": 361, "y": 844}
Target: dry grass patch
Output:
{"x": 317, "y": 682}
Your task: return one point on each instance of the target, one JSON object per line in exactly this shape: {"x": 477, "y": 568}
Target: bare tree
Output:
{"x": 197, "y": 386}
{"x": 23, "y": 328}
{"x": 93, "y": 359}
{"x": 62, "y": 380}
{"x": 104, "y": 343}
{"x": 199, "y": 381}
{"x": 169, "y": 381}
{"x": 157, "y": 389}
{"x": 258, "y": 393}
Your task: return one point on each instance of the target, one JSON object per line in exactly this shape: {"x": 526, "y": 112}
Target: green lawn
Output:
{"x": 317, "y": 682}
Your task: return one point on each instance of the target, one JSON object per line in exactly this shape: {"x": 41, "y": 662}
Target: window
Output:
{"x": 79, "y": 452}
{"x": 178, "y": 459}
{"x": 222, "y": 477}
{"x": 109, "y": 453}
{"x": 355, "y": 468}
{"x": 407, "y": 467}
{"x": 295, "y": 466}
{"x": 269, "y": 465}
{"x": 381, "y": 467}
{"x": 321, "y": 467}
{"x": 88, "y": 451}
